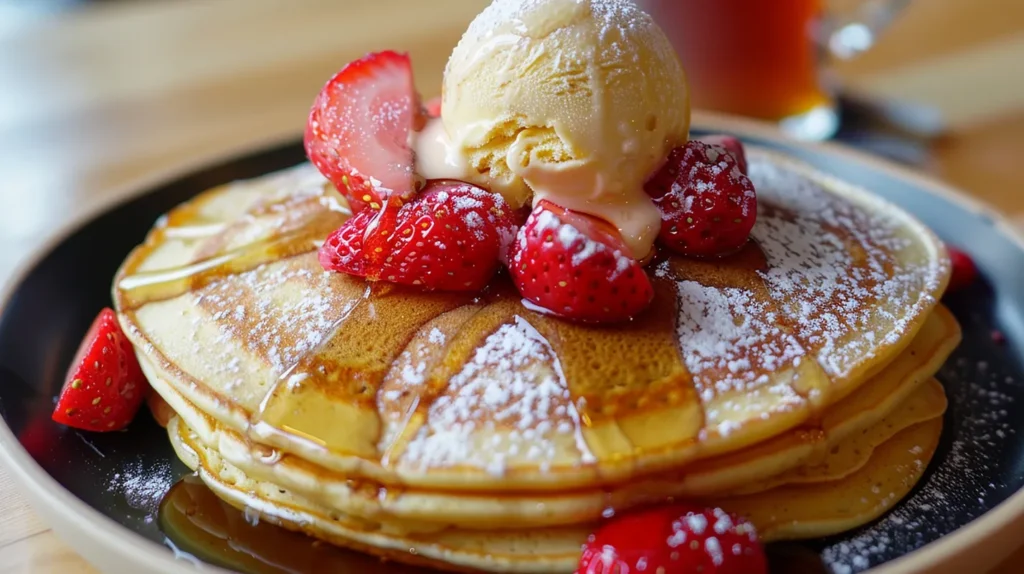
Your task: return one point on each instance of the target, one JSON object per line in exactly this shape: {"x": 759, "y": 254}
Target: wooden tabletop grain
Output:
{"x": 96, "y": 98}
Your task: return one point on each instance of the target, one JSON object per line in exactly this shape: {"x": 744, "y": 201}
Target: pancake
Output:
{"x": 227, "y": 305}
{"x": 785, "y": 512}
{"x": 896, "y": 392}
{"x": 849, "y": 455}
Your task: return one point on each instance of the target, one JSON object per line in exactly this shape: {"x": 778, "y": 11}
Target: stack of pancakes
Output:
{"x": 790, "y": 382}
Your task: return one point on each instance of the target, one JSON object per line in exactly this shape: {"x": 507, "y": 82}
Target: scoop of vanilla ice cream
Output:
{"x": 575, "y": 101}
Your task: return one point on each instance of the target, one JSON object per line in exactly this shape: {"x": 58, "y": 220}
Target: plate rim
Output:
{"x": 986, "y": 540}
{"x": 45, "y": 495}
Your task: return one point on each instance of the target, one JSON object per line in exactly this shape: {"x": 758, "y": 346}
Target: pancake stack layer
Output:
{"x": 790, "y": 382}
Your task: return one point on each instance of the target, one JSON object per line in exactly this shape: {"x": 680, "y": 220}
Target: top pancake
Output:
{"x": 226, "y": 302}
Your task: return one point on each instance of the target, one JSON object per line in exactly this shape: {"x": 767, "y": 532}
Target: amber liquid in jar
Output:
{"x": 753, "y": 58}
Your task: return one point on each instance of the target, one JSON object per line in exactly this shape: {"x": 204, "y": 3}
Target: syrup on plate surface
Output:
{"x": 201, "y": 525}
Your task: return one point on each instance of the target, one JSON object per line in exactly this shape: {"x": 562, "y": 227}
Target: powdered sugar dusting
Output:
{"x": 728, "y": 334}
{"x": 507, "y": 396}
{"x": 282, "y": 329}
{"x": 982, "y": 412}
{"x": 617, "y": 24}
{"x": 848, "y": 278}
{"x": 733, "y": 344}
{"x": 503, "y": 14}
{"x": 143, "y": 485}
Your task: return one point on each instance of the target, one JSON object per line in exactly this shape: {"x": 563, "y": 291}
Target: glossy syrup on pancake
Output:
{"x": 204, "y": 526}
{"x": 446, "y": 400}
{"x": 879, "y": 399}
{"x": 390, "y": 385}
{"x": 788, "y": 512}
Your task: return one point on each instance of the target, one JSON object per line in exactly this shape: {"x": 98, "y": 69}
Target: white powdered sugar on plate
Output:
{"x": 960, "y": 487}
{"x": 506, "y": 404}
{"x": 143, "y": 486}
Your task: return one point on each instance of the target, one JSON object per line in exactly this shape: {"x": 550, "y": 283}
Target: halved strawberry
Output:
{"x": 105, "y": 385}
{"x": 674, "y": 540}
{"x": 577, "y": 267}
{"x": 343, "y": 249}
{"x": 358, "y": 129}
{"x": 450, "y": 237}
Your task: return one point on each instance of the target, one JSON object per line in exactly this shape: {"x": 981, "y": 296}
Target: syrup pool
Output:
{"x": 198, "y": 525}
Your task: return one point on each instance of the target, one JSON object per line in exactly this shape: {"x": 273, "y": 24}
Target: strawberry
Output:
{"x": 731, "y": 145}
{"x": 39, "y": 436}
{"x": 964, "y": 273}
{"x": 433, "y": 107}
{"x": 450, "y": 237}
{"x": 105, "y": 385}
{"x": 577, "y": 267}
{"x": 343, "y": 249}
{"x": 707, "y": 205}
{"x": 674, "y": 540}
{"x": 358, "y": 129}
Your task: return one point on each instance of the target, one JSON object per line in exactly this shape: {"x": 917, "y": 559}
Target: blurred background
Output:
{"x": 95, "y": 94}
{"x": 99, "y": 96}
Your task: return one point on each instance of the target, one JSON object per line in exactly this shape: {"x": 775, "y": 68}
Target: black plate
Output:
{"x": 124, "y": 475}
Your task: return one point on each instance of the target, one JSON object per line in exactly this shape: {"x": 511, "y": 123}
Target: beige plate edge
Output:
{"x": 975, "y": 547}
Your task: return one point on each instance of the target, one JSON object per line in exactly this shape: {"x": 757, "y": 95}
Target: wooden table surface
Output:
{"x": 112, "y": 93}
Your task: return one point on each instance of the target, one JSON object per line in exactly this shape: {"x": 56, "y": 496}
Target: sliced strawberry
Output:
{"x": 343, "y": 249}
{"x": 708, "y": 207}
{"x": 674, "y": 540}
{"x": 731, "y": 145}
{"x": 577, "y": 267}
{"x": 358, "y": 130}
{"x": 105, "y": 385}
{"x": 433, "y": 107}
{"x": 450, "y": 237}
{"x": 964, "y": 272}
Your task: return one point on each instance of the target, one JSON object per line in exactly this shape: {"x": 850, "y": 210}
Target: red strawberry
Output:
{"x": 105, "y": 385}
{"x": 343, "y": 249}
{"x": 451, "y": 237}
{"x": 732, "y": 145}
{"x": 674, "y": 540}
{"x": 964, "y": 273}
{"x": 358, "y": 130}
{"x": 39, "y": 435}
{"x": 708, "y": 206}
{"x": 577, "y": 267}
{"x": 433, "y": 107}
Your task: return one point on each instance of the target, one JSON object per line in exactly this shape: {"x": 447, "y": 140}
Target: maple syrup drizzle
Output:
{"x": 294, "y": 225}
{"x": 196, "y": 520}
{"x": 259, "y": 428}
{"x": 572, "y": 345}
